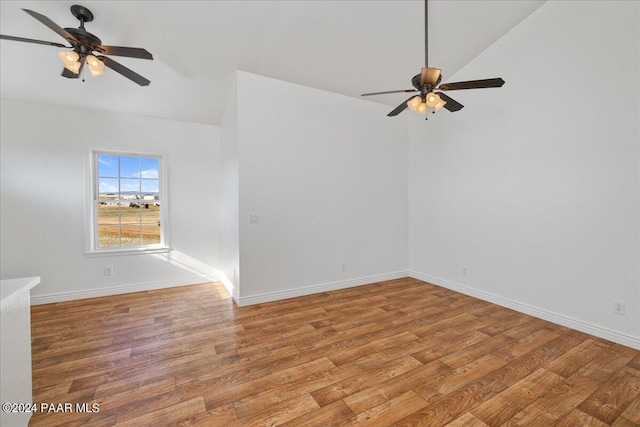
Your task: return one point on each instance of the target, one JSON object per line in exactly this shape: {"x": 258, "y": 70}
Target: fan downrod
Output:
{"x": 87, "y": 41}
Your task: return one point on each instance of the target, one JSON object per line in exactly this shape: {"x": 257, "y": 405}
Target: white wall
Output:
{"x": 230, "y": 194}
{"x": 44, "y": 153}
{"x": 326, "y": 174}
{"x": 534, "y": 187}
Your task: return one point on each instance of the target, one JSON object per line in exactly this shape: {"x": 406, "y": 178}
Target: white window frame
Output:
{"x": 91, "y": 220}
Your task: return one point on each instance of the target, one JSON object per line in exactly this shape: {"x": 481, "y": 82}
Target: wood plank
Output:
{"x": 475, "y": 351}
{"x": 504, "y": 406}
{"x": 612, "y": 398}
{"x": 632, "y": 413}
{"x": 578, "y": 418}
{"x": 526, "y": 344}
{"x": 624, "y": 422}
{"x": 470, "y": 372}
{"x": 526, "y": 364}
{"x": 221, "y": 415}
{"x": 376, "y": 346}
{"x": 261, "y": 400}
{"x": 389, "y": 412}
{"x": 576, "y": 358}
{"x": 223, "y": 395}
{"x": 379, "y": 393}
{"x": 467, "y": 420}
{"x": 558, "y": 401}
{"x": 279, "y": 413}
{"x": 114, "y": 397}
{"x": 602, "y": 367}
{"x": 444, "y": 409}
{"x": 168, "y": 415}
{"x": 527, "y": 418}
{"x": 353, "y": 385}
{"x": 330, "y": 415}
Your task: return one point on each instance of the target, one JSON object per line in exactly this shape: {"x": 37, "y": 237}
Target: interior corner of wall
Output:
{"x": 232, "y": 287}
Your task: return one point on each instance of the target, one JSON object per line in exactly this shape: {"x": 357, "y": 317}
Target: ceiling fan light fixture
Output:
{"x": 70, "y": 61}
{"x": 96, "y": 67}
{"x": 440, "y": 104}
{"x": 68, "y": 57}
{"x": 432, "y": 99}
{"x": 422, "y": 108}
{"x": 414, "y": 102}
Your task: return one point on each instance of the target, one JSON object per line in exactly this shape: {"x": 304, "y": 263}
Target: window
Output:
{"x": 129, "y": 212}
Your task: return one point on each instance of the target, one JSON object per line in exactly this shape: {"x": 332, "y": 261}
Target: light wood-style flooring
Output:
{"x": 401, "y": 353}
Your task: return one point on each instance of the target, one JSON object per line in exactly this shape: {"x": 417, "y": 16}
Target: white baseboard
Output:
{"x": 124, "y": 289}
{"x": 308, "y": 290}
{"x": 230, "y": 287}
{"x": 560, "y": 319}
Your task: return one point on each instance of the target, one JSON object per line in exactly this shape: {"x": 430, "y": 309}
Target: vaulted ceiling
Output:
{"x": 345, "y": 47}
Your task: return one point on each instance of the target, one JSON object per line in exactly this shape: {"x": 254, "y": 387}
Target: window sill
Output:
{"x": 121, "y": 252}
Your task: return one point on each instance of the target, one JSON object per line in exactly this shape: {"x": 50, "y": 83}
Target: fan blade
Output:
{"x": 389, "y": 91}
{"x": 430, "y": 76}
{"x": 69, "y": 74}
{"x": 52, "y": 25}
{"x": 132, "y": 52}
{"x": 400, "y": 108}
{"x": 451, "y": 105}
{"x": 119, "y": 68}
{"x": 22, "y": 39}
{"x": 473, "y": 84}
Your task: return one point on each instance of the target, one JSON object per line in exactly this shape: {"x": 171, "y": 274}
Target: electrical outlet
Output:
{"x": 618, "y": 307}
{"x": 343, "y": 266}
{"x": 108, "y": 270}
{"x": 463, "y": 270}
{"x": 254, "y": 219}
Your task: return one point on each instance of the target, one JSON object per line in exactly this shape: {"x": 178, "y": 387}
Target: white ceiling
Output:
{"x": 345, "y": 47}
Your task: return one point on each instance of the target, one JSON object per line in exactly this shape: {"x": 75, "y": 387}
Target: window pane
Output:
{"x": 149, "y": 168}
{"x": 150, "y": 234}
{"x": 107, "y": 165}
{"x": 108, "y": 236}
{"x": 107, "y": 188}
{"x": 129, "y": 188}
{"x": 130, "y": 235}
{"x": 150, "y": 186}
{"x": 149, "y": 213}
{"x": 108, "y": 213}
{"x": 129, "y": 167}
{"x": 130, "y": 212}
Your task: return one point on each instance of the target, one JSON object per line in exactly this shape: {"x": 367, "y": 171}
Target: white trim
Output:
{"x": 560, "y": 319}
{"x": 231, "y": 288}
{"x": 314, "y": 289}
{"x": 118, "y": 252}
{"x": 117, "y": 290}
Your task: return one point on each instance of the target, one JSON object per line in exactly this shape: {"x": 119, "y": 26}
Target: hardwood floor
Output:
{"x": 402, "y": 353}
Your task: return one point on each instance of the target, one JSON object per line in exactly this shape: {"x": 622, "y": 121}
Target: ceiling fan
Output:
{"x": 426, "y": 83}
{"x": 83, "y": 46}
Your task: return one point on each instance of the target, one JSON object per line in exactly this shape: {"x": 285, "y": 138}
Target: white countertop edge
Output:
{"x": 11, "y": 287}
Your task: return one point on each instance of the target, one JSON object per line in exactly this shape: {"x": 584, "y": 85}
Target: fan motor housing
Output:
{"x": 87, "y": 40}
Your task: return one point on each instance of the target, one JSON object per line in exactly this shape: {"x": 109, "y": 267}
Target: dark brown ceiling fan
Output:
{"x": 428, "y": 82}
{"x": 83, "y": 45}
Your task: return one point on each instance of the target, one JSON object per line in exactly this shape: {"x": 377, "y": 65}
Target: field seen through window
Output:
{"x": 128, "y": 223}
